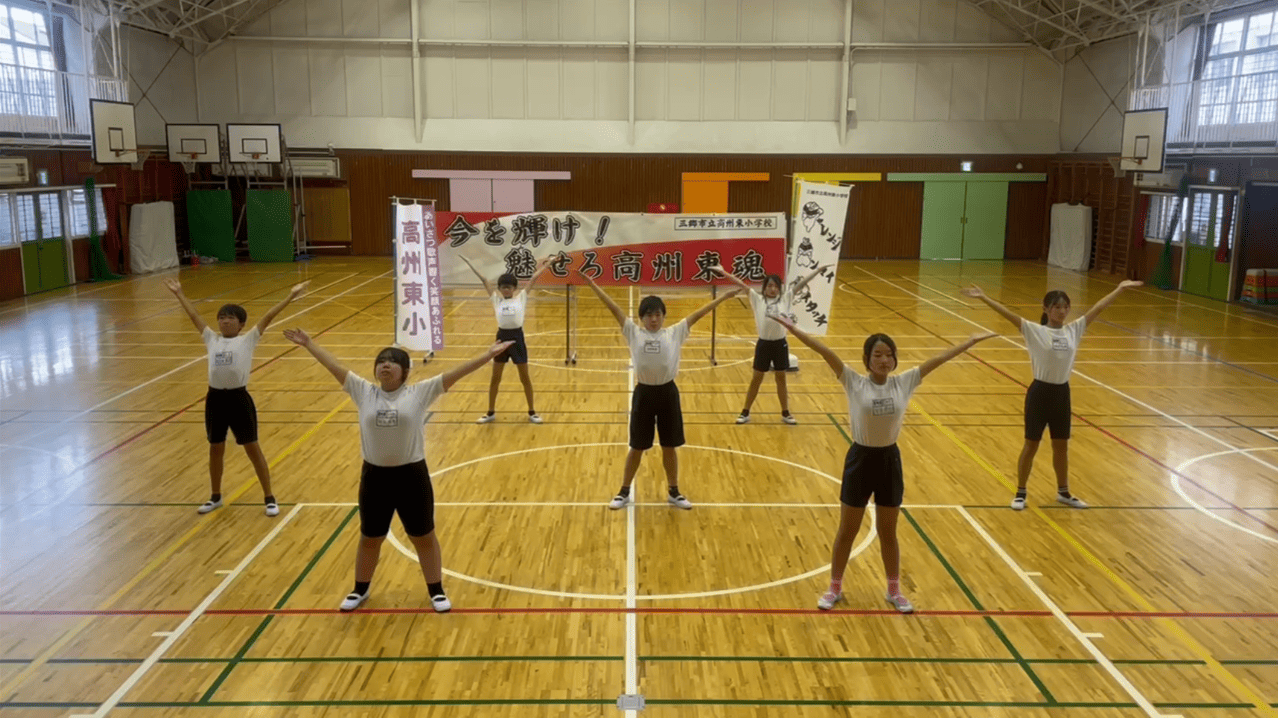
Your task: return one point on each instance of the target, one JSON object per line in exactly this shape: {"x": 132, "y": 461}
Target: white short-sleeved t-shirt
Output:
{"x": 876, "y": 411}
{"x": 764, "y": 308}
{"x": 392, "y": 425}
{"x": 1052, "y": 351}
{"x": 510, "y": 312}
{"x": 230, "y": 358}
{"x": 655, "y": 355}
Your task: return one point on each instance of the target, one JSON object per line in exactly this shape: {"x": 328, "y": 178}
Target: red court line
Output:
{"x": 650, "y": 611}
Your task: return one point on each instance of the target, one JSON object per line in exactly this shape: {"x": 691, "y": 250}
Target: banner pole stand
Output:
{"x": 714, "y": 325}
{"x": 569, "y": 356}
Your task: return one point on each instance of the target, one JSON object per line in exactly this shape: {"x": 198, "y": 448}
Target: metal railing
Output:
{"x": 48, "y": 107}
{"x": 1196, "y": 126}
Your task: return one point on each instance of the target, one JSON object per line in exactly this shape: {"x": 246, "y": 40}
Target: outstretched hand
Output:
{"x": 719, "y": 268}
{"x": 297, "y": 336}
{"x": 783, "y": 320}
{"x": 298, "y": 289}
{"x": 972, "y": 291}
{"x": 498, "y": 348}
{"x": 981, "y": 336}
{"x": 173, "y": 285}
{"x": 1127, "y": 283}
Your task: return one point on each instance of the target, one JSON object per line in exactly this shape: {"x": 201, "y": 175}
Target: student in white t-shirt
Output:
{"x": 771, "y": 352}
{"x": 872, "y": 468}
{"x": 510, "y": 303}
{"x": 394, "y": 478}
{"x": 228, "y": 404}
{"x": 654, "y": 354}
{"x": 1052, "y": 346}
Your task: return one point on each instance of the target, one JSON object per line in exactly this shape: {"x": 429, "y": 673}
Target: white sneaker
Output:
{"x": 789, "y": 419}
{"x": 353, "y": 601}
{"x": 743, "y": 419}
{"x": 272, "y": 509}
{"x": 828, "y": 600}
{"x": 900, "y": 602}
{"x": 209, "y": 506}
{"x": 619, "y": 502}
{"x": 441, "y": 604}
{"x": 1018, "y": 503}
{"x": 679, "y": 501}
{"x": 486, "y": 418}
{"x": 534, "y": 418}
{"x": 1071, "y": 501}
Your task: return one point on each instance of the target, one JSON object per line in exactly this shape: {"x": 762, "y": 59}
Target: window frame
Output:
{"x": 11, "y": 237}
{"x": 23, "y": 79}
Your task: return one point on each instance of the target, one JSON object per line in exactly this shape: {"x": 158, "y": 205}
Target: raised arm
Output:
{"x": 699, "y": 313}
{"x": 832, "y": 359}
{"x": 1108, "y": 299}
{"x": 804, "y": 282}
{"x": 1008, "y": 314}
{"x": 541, "y": 267}
{"x": 300, "y": 338}
{"x": 266, "y": 319}
{"x": 734, "y": 278}
{"x": 487, "y": 289}
{"x": 176, "y": 287}
{"x": 930, "y": 365}
{"x": 452, "y": 376}
{"x": 607, "y": 300}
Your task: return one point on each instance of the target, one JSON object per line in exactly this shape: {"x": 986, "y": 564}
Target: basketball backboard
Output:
{"x": 115, "y": 138}
{"x": 254, "y": 143}
{"x": 202, "y": 141}
{"x": 1144, "y": 138}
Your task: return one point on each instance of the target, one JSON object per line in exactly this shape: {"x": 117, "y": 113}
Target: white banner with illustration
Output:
{"x": 815, "y": 241}
{"x": 612, "y": 248}
{"x": 419, "y": 297}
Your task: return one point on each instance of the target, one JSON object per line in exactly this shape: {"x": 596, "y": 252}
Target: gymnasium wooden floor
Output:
{"x": 117, "y": 598}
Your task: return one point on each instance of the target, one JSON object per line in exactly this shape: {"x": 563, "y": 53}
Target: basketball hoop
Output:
{"x": 189, "y": 164}
{"x": 256, "y": 156}
{"x": 1116, "y": 164}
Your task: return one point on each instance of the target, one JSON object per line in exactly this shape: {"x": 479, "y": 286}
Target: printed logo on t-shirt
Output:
{"x": 1060, "y": 344}
{"x": 652, "y": 346}
{"x": 388, "y": 417}
{"x": 508, "y": 310}
{"x": 883, "y": 407}
{"x": 223, "y": 358}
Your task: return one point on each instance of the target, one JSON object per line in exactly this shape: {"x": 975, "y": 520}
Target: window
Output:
{"x": 1207, "y": 220}
{"x": 7, "y": 237}
{"x": 39, "y": 215}
{"x": 28, "y": 68}
{"x": 1238, "y": 75}
{"x": 80, "y": 213}
{"x": 1158, "y": 222}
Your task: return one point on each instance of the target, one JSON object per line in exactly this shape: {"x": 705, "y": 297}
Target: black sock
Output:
{"x": 532, "y": 412}
{"x": 625, "y": 491}
{"x": 435, "y": 589}
{"x": 490, "y": 412}
{"x": 745, "y": 412}
{"x": 270, "y": 499}
{"x": 674, "y": 491}
{"x": 215, "y": 498}
{"x": 785, "y": 413}
{"x": 1020, "y": 493}
{"x": 361, "y": 587}
{"x": 1063, "y": 491}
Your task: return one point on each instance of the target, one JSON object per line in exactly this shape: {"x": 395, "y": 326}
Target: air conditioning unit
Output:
{"x": 15, "y": 170}
{"x": 316, "y": 167}
{"x": 1168, "y": 179}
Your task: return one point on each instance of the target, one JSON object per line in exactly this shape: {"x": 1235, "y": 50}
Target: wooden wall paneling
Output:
{"x": 80, "y": 259}
{"x": 1027, "y": 220}
{"x": 328, "y": 216}
{"x": 887, "y": 221}
{"x": 10, "y": 273}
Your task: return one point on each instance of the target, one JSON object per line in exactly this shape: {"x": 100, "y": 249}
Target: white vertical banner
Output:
{"x": 816, "y": 238}
{"x": 419, "y": 298}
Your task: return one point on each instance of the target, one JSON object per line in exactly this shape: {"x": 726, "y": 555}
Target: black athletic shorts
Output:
{"x": 230, "y": 409}
{"x": 1047, "y": 405}
{"x": 872, "y": 471}
{"x": 386, "y": 490}
{"x": 655, "y": 407}
{"x": 517, "y": 352}
{"x": 772, "y": 354}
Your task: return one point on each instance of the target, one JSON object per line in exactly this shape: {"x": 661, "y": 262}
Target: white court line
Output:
{"x": 203, "y": 357}
{"x": 1056, "y": 611}
{"x": 1174, "y": 480}
{"x": 1125, "y": 395}
{"x": 1094, "y": 635}
{"x": 190, "y": 619}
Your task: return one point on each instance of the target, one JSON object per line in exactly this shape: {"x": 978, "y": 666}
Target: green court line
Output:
{"x": 1007, "y": 643}
{"x": 248, "y": 644}
{"x": 967, "y": 592}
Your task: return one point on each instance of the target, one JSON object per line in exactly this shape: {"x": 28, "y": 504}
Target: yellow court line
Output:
{"x": 1261, "y": 705}
{"x": 7, "y": 690}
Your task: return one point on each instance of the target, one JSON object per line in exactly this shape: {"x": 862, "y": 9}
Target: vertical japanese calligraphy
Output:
{"x": 419, "y": 299}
